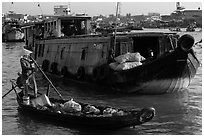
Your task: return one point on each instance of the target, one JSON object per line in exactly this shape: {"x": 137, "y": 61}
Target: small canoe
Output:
{"x": 122, "y": 118}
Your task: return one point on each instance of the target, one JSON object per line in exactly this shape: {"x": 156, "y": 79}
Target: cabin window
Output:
{"x": 43, "y": 47}
{"x": 73, "y": 27}
{"x": 55, "y": 25}
{"x": 39, "y": 49}
{"x": 39, "y": 31}
{"x": 45, "y": 27}
{"x": 48, "y": 50}
{"x": 36, "y": 50}
{"x": 68, "y": 27}
{"x": 62, "y": 53}
{"x": 130, "y": 47}
{"x": 83, "y": 54}
{"x": 146, "y": 45}
{"x": 83, "y": 27}
{"x": 124, "y": 48}
{"x": 117, "y": 49}
{"x": 30, "y": 32}
{"x": 48, "y": 26}
{"x": 102, "y": 54}
{"x": 30, "y": 46}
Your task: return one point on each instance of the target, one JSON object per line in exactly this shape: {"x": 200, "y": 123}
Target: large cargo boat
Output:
{"x": 64, "y": 45}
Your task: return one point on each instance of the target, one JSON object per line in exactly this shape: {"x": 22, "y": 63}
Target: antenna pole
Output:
{"x": 117, "y": 7}
{"x": 10, "y": 6}
{"x": 69, "y": 9}
{"x": 40, "y": 8}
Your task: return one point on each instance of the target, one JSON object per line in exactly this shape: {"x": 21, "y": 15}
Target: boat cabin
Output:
{"x": 153, "y": 44}
{"x": 56, "y": 27}
{"x": 66, "y": 26}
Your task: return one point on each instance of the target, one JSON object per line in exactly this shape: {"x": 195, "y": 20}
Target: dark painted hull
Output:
{"x": 166, "y": 74}
{"x": 134, "y": 117}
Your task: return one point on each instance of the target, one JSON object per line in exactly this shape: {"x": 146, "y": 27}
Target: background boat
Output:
{"x": 11, "y": 32}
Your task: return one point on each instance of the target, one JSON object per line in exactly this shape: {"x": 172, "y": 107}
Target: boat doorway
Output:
{"x": 146, "y": 46}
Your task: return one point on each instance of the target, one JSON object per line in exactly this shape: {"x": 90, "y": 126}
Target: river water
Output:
{"x": 176, "y": 114}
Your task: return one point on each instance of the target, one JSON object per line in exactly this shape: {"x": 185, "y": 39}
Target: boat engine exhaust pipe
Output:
{"x": 186, "y": 42}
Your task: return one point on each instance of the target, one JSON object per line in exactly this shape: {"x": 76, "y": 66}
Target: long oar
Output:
{"x": 47, "y": 78}
{"x": 13, "y": 87}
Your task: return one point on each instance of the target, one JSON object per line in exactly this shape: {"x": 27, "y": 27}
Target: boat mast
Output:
{"x": 117, "y": 9}
{"x": 10, "y": 6}
{"x": 40, "y": 9}
{"x": 69, "y": 9}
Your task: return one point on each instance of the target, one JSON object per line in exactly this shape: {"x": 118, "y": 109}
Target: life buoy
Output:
{"x": 64, "y": 71}
{"x": 186, "y": 42}
{"x": 146, "y": 114}
{"x": 80, "y": 73}
{"x": 53, "y": 68}
{"x": 96, "y": 74}
{"x": 45, "y": 65}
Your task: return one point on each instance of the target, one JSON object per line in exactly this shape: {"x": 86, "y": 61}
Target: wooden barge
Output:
{"x": 64, "y": 45}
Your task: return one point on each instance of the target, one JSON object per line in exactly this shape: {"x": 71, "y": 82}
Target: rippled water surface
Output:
{"x": 179, "y": 113}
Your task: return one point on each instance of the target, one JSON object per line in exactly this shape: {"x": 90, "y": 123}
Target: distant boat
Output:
{"x": 109, "y": 30}
{"x": 175, "y": 29}
{"x": 190, "y": 29}
{"x": 12, "y": 32}
{"x": 64, "y": 45}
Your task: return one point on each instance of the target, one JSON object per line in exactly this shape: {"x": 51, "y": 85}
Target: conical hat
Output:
{"x": 26, "y": 52}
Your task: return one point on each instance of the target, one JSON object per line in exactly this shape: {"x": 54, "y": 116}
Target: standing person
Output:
{"x": 28, "y": 70}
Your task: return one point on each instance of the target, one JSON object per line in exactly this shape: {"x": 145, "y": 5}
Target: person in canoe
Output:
{"x": 28, "y": 73}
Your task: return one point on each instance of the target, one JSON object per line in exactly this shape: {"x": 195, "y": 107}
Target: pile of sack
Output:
{"x": 71, "y": 106}
{"x": 112, "y": 112}
{"x": 90, "y": 109}
{"x": 127, "y": 61}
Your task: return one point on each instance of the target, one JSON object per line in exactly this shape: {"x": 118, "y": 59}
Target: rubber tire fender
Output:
{"x": 80, "y": 73}
{"x": 64, "y": 71}
{"x": 54, "y": 68}
{"x": 185, "y": 42}
{"x": 96, "y": 74}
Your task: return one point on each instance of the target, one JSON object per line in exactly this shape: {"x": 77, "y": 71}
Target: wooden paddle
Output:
{"x": 13, "y": 87}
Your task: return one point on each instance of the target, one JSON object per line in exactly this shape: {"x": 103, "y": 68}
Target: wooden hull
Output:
{"x": 135, "y": 117}
{"x": 170, "y": 63}
{"x": 164, "y": 75}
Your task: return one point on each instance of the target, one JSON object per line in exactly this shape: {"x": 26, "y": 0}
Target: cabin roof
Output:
{"x": 149, "y": 33}
{"x": 53, "y": 18}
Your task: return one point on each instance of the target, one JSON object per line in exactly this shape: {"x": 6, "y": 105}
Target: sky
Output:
{"x": 98, "y": 8}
